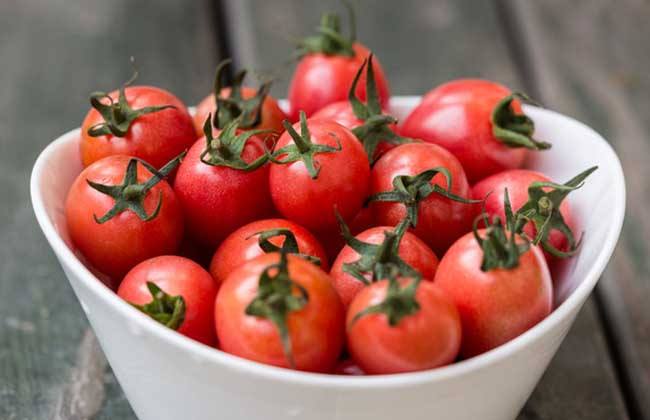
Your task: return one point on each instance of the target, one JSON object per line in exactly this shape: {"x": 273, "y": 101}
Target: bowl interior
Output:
{"x": 598, "y": 206}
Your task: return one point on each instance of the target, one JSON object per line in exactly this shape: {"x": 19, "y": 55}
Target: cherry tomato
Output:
{"x": 458, "y": 116}
{"x": 411, "y": 250}
{"x": 526, "y": 193}
{"x": 308, "y": 330}
{"x": 330, "y": 173}
{"x": 116, "y": 222}
{"x": 155, "y": 136}
{"x": 348, "y": 368}
{"x": 327, "y": 69}
{"x": 243, "y": 245}
{"x": 440, "y": 220}
{"x": 517, "y": 182}
{"x": 375, "y": 129}
{"x": 175, "y": 277}
{"x": 271, "y": 114}
{"x": 495, "y": 305}
{"x": 415, "y": 329}
{"x": 221, "y": 187}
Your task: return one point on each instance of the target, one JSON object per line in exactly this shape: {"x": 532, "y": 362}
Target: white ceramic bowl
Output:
{"x": 167, "y": 376}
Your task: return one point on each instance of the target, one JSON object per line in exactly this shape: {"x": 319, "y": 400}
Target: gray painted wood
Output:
{"x": 53, "y": 55}
{"x": 420, "y": 45}
{"x": 592, "y": 61}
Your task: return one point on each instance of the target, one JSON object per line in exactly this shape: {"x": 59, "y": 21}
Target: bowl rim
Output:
{"x": 572, "y": 303}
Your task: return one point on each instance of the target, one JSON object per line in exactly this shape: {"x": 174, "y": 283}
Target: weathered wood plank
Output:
{"x": 422, "y": 44}
{"x": 591, "y": 60}
{"x": 53, "y": 55}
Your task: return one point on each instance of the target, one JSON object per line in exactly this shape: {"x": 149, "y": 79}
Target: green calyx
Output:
{"x": 329, "y": 39}
{"x": 398, "y": 303}
{"x": 512, "y": 129}
{"x": 130, "y": 194}
{"x": 166, "y": 309}
{"x": 226, "y": 149}
{"x": 380, "y": 261}
{"x": 302, "y": 148}
{"x": 235, "y": 106}
{"x": 543, "y": 209}
{"x": 376, "y": 126}
{"x": 119, "y": 115}
{"x": 501, "y": 250}
{"x": 410, "y": 190}
{"x": 289, "y": 246}
{"x": 278, "y": 296}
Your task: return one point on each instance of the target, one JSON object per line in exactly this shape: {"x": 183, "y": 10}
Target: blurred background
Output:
{"x": 586, "y": 58}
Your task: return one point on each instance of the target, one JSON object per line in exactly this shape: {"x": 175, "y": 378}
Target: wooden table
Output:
{"x": 586, "y": 58}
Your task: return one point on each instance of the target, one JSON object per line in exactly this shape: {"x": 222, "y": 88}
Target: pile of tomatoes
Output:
{"x": 331, "y": 238}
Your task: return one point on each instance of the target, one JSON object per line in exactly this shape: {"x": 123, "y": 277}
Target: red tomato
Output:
{"x": 175, "y": 276}
{"x": 412, "y": 251}
{"x": 122, "y": 241}
{"x": 458, "y": 116}
{"x": 440, "y": 220}
{"x": 243, "y": 245}
{"x": 342, "y": 113}
{"x": 348, "y": 368}
{"x": 314, "y": 332}
{"x": 321, "y": 79}
{"x": 424, "y": 337}
{"x": 220, "y": 197}
{"x": 270, "y": 119}
{"x": 364, "y": 220}
{"x": 155, "y": 137}
{"x": 339, "y": 179}
{"x": 497, "y": 305}
{"x": 517, "y": 182}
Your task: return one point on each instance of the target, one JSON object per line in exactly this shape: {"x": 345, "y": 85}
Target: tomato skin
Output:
{"x": 271, "y": 113}
{"x": 517, "y": 182}
{"x": 342, "y": 183}
{"x": 427, "y": 339}
{"x": 316, "y": 331}
{"x": 216, "y": 200}
{"x": 321, "y": 79}
{"x": 348, "y": 368}
{"x": 242, "y": 245}
{"x": 117, "y": 245}
{"x": 342, "y": 113}
{"x": 156, "y": 138}
{"x": 498, "y": 305}
{"x": 441, "y": 220}
{"x": 176, "y": 276}
{"x": 412, "y": 250}
{"x": 457, "y": 116}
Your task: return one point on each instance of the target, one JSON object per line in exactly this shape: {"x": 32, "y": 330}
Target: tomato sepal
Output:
{"x": 302, "y": 148}
{"x": 118, "y": 116}
{"x": 275, "y": 300}
{"x": 164, "y": 308}
{"x": 399, "y": 302}
{"x": 375, "y": 128}
{"x": 543, "y": 209}
{"x": 130, "y": 194}
{"x": 289, "y": 246}
{"x": 235, "y": 106}
{"x": 512, "y": 129}
{"x": 380, "y": 260}
{"x": 226, "y": 149}
{"x": 410, "y": 190}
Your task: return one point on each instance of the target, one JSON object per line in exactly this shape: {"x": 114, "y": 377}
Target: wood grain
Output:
{"x": 591, "y": 61}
